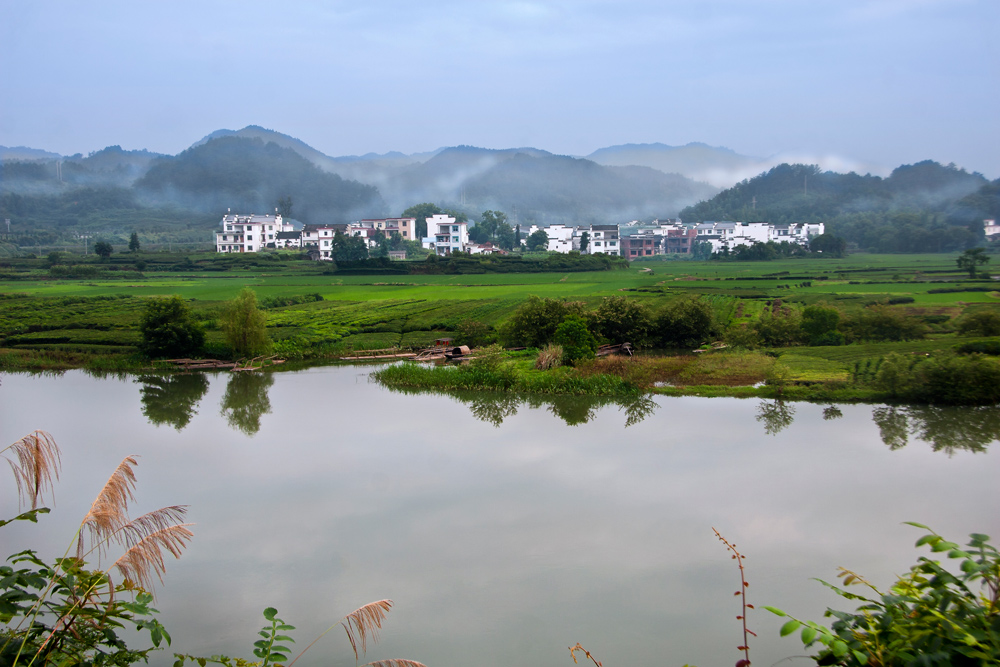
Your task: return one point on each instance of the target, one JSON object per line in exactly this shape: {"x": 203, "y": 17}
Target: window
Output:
{"x": 454, "y": 228}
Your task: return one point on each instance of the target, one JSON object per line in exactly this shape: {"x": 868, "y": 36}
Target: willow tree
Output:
{"x": 244, "y": 325}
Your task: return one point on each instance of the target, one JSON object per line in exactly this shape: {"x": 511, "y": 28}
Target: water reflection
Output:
{"x": 172, "y": 399}
{"x": 246, "y": 400}
{"x": 495, "y": 408}
{"x": 947, "y": 429}
{"x": 832, "y": 412}
{"x": 775, "y": 415}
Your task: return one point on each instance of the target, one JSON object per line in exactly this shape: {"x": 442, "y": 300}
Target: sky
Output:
{"x": 849, "y": 83}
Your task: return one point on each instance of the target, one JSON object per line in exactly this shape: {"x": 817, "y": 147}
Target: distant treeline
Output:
{"x": 925, "y": 207}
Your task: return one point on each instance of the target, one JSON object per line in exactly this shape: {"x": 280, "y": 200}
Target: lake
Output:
{"x": 504, "y": 530}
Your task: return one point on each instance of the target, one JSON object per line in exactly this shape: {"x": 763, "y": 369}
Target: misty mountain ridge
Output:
{"x": 922, "y": 207}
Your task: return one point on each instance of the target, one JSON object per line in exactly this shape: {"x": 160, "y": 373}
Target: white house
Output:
{"x": 249, "y": 233}
{"x": 604, "y": 239}
{"x": 445, "y": 236}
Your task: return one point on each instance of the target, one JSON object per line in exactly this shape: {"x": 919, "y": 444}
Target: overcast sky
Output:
{"x": 871, "y": 82}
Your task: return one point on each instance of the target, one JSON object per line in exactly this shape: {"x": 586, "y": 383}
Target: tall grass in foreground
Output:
{"x": 65, "y": 614}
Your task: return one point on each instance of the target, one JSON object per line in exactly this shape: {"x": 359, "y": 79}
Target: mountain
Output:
{"x": 924, "y": 207}
{"x": 25, "y": 153}
{"x": 548, "y": 189}
{"x": 249, "y": 175}
{"x": 700, "y": 162}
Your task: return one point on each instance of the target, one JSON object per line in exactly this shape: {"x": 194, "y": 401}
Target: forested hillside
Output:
{"x": 248, "y": 175}
{"x": 924, "y": 207}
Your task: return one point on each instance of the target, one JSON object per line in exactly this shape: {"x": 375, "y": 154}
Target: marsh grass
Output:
{"x": 727, "y": 368}
{"x": 642, "y": 371}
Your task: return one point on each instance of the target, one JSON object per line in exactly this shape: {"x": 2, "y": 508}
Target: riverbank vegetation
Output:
{"x": 816, "y": 327}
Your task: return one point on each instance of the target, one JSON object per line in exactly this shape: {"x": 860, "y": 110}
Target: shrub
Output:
{"x": 930, "y": 616}
{"x": 741, "y": 336}
{"x": 576, "y": 340}
{"x": 990, "y": 347}
{"x": 882, "y": 323}
{"x": 684, "y": 323}
{"x": 534, "y": 322}
{"x": 982, "y": 323}
{"x": 780, "y": 329}
{"x": 619, "y": 319}
{"x": 474, "y": 333}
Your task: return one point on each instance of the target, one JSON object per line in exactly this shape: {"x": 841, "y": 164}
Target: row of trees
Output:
{"x": 170, "y": 330}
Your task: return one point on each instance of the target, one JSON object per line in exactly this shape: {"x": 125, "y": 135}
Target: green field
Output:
{"x": 44, "y": 316}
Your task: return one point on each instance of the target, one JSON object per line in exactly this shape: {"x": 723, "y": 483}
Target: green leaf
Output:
{"x": 917, "y": 525}
{"x": 270, "y": 613}
{"x": 790, "y": 627}
{"x": 284, "y": 638}
{"x": 839, "y": 648}
{"x": 862, "y": 658}
{"x": 774, "y": 610}
{"x": 927, "y": 539}
{"x": 284, "y": 626}
{"x": 808, "y": 635}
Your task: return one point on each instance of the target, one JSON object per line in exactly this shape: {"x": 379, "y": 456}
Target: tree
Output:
{"x": 244, "y": 325}
{"x": 619, "y": 319}
{"x": 345, "y": 248}
{"x": 538, "y": 240}
{"x": 969, "y": 260}
{"x": 285, "y": 207}
{"x": 584, "y": 242}
{"x": 685, "y": 322}
{"x": 103, "y": 249}
{"x": 421, "y": 212}
{"x": 535, "y": 321}
{"x": 820, "y": 324}
{"x": 169, "y": 330}
{"x": 829, "y": 245}
{"x": 133, "y": 242}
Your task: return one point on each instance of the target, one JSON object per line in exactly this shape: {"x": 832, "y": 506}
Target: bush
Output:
{"x": 474, "y": 333}
{"x": 685, "y": 323}
{"x": 245, "y": 325}
{"x": 818, "y": 322}
{"x": 990, "y": 347}
{"x": 779, "y": 330}
{"x": 169, "y": 330}
{"x": 619, "y": 320}
{"x": 882, "y": 323}
{"x": 576, "y": 340}
{"x": 930, "y": 616}
{"x": 534, "y": 322}
{"x": 741, "y": 336}
{"x": 982, "y": 323}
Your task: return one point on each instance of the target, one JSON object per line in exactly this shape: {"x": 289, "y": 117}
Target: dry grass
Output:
{"x": 549, "y": 357}
{"x": 364, "y": 622}
{"x": 730, "y": 369}
{"x": 36, "y": 465}
{"x": 643, "y": 372}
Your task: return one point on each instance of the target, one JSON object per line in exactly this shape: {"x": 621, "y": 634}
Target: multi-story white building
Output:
{"x": 405, "y": 227}
{"x": 604, "y": 239}
{"x": 722, "y": 235}
{"x": 248, "y": 233}
{"x": 445, "y": 235}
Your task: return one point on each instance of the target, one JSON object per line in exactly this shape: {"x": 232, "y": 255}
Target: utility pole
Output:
{"x": 805, "y": 184}
{"x": 754, "y": 202}
{"x": 84, "y": 237}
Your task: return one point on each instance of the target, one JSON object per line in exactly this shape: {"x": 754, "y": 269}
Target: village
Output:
{"x": 445, "y": 236}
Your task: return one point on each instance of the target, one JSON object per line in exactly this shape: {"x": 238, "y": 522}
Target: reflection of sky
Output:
{"x": 500, "y": 545}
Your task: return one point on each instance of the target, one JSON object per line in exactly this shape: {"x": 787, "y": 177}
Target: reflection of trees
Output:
{"x": 637, "y": 409}
{"x": 832, "y": 412}
{"x": 172, "y": 399}
{"x": 776, "y": 416}
{"x": 493, "y": 408}
{"x": 893, "y": 426}
{"x": 246, "y": 400}
{"x": 947, "y": 428}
